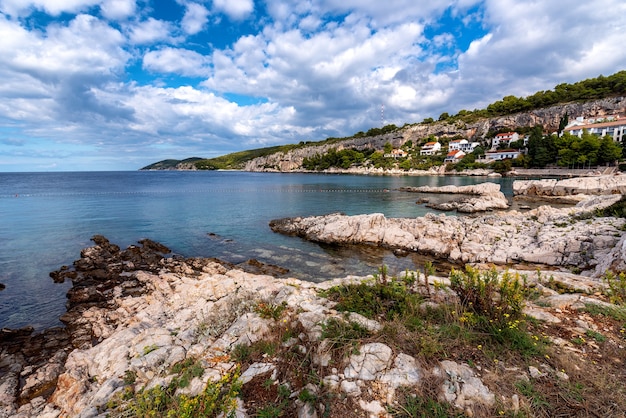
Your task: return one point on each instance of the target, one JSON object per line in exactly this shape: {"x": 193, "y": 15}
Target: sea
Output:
{"x": 47, "y": 218}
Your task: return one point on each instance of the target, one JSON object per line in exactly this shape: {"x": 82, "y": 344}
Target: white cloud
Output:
{"x": 235, "y": 9}
{"x": 118, "y": 9}
{"x": 53, "y": 7}
{"x": 311, "y": 69}
{"x": 177, "y": 61}
{"x": 150, "y": 30}
{"x": 533, "y": 46}
{"x": 195, "y": 18}
{"x": 50, "y": 77}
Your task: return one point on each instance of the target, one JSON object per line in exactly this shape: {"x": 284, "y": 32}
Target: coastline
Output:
{"x": 136, "y": 312}
{"x": 438, "y": 171}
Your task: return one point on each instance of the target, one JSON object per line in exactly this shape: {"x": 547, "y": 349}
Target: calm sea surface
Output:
{"x": 47, "y": 218}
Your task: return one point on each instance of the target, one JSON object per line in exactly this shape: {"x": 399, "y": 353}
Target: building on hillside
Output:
{"x": 430, "y": 148}
{"x": 504, "y": 154}
{"x": 456, "y": 144}
{"x": 612, "y": 126}
{"x": 454, "y": 156}
{"x": 463, "y": 145}
{"x": 399, "y": 153}
{"x": 506, "y": 137}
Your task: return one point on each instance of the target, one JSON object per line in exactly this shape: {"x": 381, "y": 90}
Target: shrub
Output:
{"x": 186, "y": 371}
{"x": 217, "y": 398}
{"x": 267, "y": 310}
{"x": 388, "y": 298}
{"x": 342, "y": 334}
{"x": 500, "y": 300}
{"x": 617, "y": 287}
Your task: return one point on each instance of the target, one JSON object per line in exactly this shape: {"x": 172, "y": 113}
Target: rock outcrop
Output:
{"x": 489, "y": 197}
{"x": 548, "y": 236}
{"x": 202, "y": 312}
{"x": 585, "y": 186}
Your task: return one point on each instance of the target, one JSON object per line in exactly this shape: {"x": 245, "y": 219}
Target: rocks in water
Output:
{"x": 544, "y": 235}
{"x": 205, "y": 314}
{"x": 257, "y": 267}
{"x": 2, "y": 286}
{"x": 486, "y": 196}
{"x": 596, "y": 185}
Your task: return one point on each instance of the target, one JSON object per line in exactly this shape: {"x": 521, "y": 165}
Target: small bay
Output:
{"x": 47, "y": 218}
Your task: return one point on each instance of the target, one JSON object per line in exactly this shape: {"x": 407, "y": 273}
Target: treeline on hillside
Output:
{"x": 590, "y": 89}
{"x": 344, "y": 158}
{"x": 570, "y": 150}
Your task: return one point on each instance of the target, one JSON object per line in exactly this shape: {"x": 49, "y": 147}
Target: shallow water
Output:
{"x": 47, "y": 218}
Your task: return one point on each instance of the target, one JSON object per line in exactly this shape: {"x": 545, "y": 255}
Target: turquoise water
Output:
{"x": 47, "y": 218}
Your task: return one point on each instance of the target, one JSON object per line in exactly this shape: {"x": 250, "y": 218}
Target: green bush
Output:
{"x": 268, "y": 310}
{"x": 617, "y": 287}
{"x": 500, "y": 300}
{"x": 388, "y": 298}
{"x": 217, "y": 398}
{"x": 343, "y": 334}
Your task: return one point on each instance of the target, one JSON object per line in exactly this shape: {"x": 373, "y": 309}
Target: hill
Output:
{"x": 173, "y": 164}
{"x": 589, "y": 98}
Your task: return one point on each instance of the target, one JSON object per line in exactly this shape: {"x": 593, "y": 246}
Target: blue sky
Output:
{"x": 119, "y": 84}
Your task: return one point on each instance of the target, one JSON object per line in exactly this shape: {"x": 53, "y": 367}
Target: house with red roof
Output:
{"x": 454, "y": 156}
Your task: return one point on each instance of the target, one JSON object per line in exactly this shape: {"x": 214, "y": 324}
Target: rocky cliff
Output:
{"x": 548, "y": 117}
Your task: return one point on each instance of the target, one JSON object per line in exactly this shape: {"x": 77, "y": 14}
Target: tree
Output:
{"x": 563, "y": 122}
{"x": 541, "y": 149}
{"x": 610, "y": 151}
{"x": 444, "y": 116}
{"x": 388, "y": 148}
{"x": 478, "y": 151}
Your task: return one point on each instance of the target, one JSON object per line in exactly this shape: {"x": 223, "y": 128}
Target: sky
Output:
{"x": 90, "y": 85}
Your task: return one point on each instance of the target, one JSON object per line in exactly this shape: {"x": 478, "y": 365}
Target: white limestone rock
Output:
{"x": 461, "y": 386}
{"x": 372, "y": 359}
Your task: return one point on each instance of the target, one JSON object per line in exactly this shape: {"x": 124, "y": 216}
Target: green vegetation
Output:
{"x": 217, "y": 398}
{"x": 344, "y": 159}
{"x": 170, "y": 164}
{"x": 590, "y": 89}
{"x": 185, "y": 372}
{"x": 569, "y": 150}
{"x": 416, "y": 406}
{"x": 268, "y": 310}
{"x": 616, "y": 287}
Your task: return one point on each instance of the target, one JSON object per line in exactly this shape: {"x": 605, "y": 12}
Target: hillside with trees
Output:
{"x": 365, "y": 149}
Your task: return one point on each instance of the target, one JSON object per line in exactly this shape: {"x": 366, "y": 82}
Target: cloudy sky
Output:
{"x": 119, "y": 84}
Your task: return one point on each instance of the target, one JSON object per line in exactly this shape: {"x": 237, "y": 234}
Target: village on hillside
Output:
{"x": 584, "y": 143}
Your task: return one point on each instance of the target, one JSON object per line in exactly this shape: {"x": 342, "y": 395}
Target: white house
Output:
{"x": 614, "y": 128}
{"x": 506, "y": 137}
{"x": 463, "y": 145}
{"x": 456, "y": 144}
{"x": 399, "y": 153}
{"x": 454, "y": 156}
{"x": 502, "y": 154}
{"x": 430, "y": 148}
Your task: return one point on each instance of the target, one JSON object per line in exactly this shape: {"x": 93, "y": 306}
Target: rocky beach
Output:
{"x": 141, "y": 322}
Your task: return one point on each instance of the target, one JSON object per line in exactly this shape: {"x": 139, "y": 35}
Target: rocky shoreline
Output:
{"x": 135, "y": 315}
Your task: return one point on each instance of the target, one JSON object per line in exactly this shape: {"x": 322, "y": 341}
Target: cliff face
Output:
{"x": 548, "y": 117}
